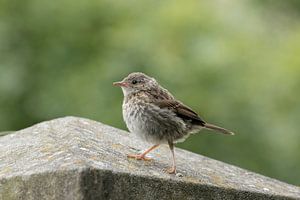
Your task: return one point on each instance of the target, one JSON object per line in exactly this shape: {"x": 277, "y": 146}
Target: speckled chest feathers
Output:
{"x": 152, "y": 123}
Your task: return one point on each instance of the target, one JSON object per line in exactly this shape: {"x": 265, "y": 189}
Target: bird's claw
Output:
{"x": 171, "y": 170}
{"x": 139, "y": 157}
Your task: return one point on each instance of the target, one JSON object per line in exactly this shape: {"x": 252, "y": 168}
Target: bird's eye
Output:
{"x": 134, "y": 82}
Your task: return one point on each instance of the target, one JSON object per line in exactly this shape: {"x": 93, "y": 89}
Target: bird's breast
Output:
{"x": 152, "y": 123}
{"x": 134, "y": 117}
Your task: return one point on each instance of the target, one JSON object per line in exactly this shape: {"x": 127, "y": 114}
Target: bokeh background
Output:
{"x": 235, "y": 62}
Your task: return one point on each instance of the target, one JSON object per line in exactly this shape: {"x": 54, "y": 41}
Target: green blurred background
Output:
{"x": 237, "y": 63}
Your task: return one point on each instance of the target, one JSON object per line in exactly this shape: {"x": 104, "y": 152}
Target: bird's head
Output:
{"x": 136, "y": 82}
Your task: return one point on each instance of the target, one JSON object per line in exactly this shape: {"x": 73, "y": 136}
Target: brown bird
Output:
{"x": 151, "y": 112}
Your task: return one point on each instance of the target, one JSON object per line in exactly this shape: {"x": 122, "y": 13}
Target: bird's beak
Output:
{"x": 121, "y": 84}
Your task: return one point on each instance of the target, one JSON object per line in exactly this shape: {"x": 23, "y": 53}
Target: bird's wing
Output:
{"x": 180, "y": 110}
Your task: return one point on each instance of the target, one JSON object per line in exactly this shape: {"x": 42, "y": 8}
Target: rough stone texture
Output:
{"x": 74, "y": 158}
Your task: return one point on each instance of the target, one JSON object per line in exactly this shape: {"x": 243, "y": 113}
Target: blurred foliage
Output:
{"x": 235, "y": 62}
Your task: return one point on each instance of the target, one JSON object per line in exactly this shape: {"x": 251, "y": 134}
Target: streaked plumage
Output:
{"x": 151, "y": 112}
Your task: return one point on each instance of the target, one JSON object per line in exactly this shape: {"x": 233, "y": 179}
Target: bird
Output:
{"x": 152, "y": 113}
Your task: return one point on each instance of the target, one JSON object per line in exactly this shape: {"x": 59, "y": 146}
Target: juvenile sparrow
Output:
{"x": 151, "y": 112}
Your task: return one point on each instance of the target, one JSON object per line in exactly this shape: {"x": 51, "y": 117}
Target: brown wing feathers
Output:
{"x": 187, "y": 113}
{"x": 181, "y": 110}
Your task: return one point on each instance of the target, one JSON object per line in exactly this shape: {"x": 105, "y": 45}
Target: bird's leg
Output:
{"x": 172, "y": 170}
{"x": 142, "y": 156}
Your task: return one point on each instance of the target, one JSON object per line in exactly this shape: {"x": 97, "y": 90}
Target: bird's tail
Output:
{"x": 218, "y": 129}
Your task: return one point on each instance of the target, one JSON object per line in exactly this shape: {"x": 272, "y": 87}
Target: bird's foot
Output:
{"x": 171, "y": 170}
{"x": 139, "y": 157}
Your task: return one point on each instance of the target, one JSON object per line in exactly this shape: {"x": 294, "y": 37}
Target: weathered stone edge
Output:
{"x": 91, "y": 183}
{"x": 46, "y": 185}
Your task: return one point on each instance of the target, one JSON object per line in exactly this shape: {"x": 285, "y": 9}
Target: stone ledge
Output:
{"x": 76, "y": 158}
